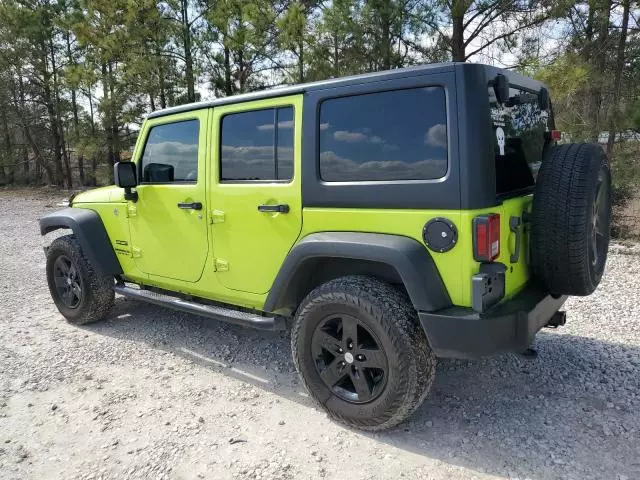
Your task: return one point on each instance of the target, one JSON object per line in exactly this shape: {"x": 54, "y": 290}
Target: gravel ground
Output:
{"x": 152, "y": 393}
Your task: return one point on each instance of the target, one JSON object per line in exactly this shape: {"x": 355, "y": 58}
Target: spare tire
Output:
{"x": 571, "y": 218}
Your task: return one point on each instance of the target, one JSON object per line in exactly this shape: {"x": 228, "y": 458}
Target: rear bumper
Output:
{"x": 508, "y": 327}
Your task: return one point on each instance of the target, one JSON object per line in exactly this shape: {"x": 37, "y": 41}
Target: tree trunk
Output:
{"x": 51, "y": 112}
{"x": 19, "y": 99}
{"x": 336, "y": 58}
{"x": 301, "y": 61}
{"x": 93, "y": 181}
{"x": 37, "y": 154}
{"x": 107, "y": 115}
{"x": 8, "y": 146}
{"x": 58, "y": 120}
{"x": 617, "y": 81}
{"x": 228, "y": 86}
{"x": 458, "y": 53}
{"x": 385, "y": 15}
{"x": 114, "y": 123}
{"x": 599, "y": 68}
{"x": 241, "y": 71}
{"x": 74, "y": 107}
{"x": 161, "y": 83}
{"x": 188, "y": 58}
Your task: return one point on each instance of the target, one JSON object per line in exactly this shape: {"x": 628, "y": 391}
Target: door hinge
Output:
{"x": 132, "y": 210}
{"x": 216, "y": 216}
{"x": 136, "y": 252}
{"x": 221, "y": 265}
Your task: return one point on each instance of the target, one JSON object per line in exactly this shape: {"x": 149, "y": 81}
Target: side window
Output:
{"x": 393, "y": 135}
{"x": 257, "y": 145}
{"x": 171, "y": 153}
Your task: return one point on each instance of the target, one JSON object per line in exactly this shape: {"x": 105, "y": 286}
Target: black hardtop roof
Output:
{"x": 334, "y": 82}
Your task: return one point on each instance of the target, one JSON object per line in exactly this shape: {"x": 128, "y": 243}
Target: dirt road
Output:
{"x": 151, "y": 393}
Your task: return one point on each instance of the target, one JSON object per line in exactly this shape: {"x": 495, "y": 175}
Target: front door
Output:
{"x": 255, "y": 200}
{"x": 169, "y": 220}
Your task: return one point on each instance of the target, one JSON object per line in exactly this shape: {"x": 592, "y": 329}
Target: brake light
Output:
{"x": 556, "y": 135}
{"x": 486, "y": 237}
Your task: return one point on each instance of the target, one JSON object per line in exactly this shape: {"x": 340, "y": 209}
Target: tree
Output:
{"x": 477, "y": 25}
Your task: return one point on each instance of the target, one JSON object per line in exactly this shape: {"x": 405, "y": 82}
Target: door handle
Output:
{"x": 190, "y": 206}
{"x": 281, "y": 208}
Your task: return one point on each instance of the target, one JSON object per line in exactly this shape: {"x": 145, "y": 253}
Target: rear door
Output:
{"x": 256, "y": 190}
{"x": 168, "y": 222}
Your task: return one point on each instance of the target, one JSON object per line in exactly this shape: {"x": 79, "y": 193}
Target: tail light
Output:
{"x": 486, "y": 237}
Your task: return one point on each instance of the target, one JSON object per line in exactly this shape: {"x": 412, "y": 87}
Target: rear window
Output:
{"x": 384, "y": 136}
{"x": 519, "y": 140}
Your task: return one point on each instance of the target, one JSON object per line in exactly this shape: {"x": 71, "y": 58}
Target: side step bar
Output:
{"x": 211, "y": 311}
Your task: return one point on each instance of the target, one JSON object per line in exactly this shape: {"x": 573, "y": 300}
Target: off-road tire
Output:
{"x": 97, "y": 295}
{"x": 562, "y": 219}
{"x": 388, "y": 312}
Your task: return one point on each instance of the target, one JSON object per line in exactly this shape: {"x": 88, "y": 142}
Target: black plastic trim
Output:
{"x": 90, "y": 232}
{"x": 458, "y": 332}
{"x": 410, "y": 259}
{"x": 487, "y": 286}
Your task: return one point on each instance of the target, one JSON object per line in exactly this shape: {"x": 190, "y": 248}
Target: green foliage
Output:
{"x": 77, "y": 77}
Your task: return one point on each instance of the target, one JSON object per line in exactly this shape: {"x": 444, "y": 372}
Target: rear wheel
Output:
{"x": 81, "y": 293}
{"x": 361, "y": 352}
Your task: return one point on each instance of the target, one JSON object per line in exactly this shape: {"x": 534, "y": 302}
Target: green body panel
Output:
{"x": 116, "y": 223}
{"x": 252, "y": 245}
{"x": 230, "y": 252}
{"x": 100, "y": 195}
{"x": 456, "y": 266}
{"x": 168, "y": 241}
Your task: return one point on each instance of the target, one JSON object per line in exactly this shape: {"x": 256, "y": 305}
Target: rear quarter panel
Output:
{"x": 457, "y": 266}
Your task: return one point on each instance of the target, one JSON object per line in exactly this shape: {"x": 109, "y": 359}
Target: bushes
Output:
{"x": 625, "y": 172}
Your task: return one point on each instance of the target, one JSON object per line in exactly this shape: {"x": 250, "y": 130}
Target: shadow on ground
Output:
{"x": 549, "y": 417}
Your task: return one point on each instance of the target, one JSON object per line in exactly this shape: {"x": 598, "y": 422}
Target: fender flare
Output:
{"x": 88, "y": 228}
{"x": 409, "y": 258}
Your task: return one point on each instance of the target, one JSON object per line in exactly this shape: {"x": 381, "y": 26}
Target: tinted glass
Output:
{"x": 285, "y": 143}
{"x": 248, "y": 145}
{"x": 519, "y": 139}
{"x": 395, "y": 135}
{"x": 171, "y": 153}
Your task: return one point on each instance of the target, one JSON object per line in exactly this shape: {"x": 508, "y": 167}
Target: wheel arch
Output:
{"x": 320, "y": 257}
{"x": 91, "y": 233}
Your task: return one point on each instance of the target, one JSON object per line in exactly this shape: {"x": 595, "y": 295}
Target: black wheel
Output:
{"x": 81, "y": 294}
{"x": 571, "y": 219}
{"x": 361, "y": 352}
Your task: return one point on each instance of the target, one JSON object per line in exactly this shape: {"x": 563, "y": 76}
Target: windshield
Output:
{"x": 519, "y": 128}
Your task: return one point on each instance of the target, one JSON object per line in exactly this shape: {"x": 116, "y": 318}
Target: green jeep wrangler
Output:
{"x": 387, "y": 219}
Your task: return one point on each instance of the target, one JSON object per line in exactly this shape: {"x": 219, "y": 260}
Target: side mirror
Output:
{"x": 125, "y": 177}
{"x": 501, "y": 88}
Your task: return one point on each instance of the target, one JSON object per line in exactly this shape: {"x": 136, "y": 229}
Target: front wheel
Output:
{"x": 359, "y": 347}
{"x": 81, "y": 292}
